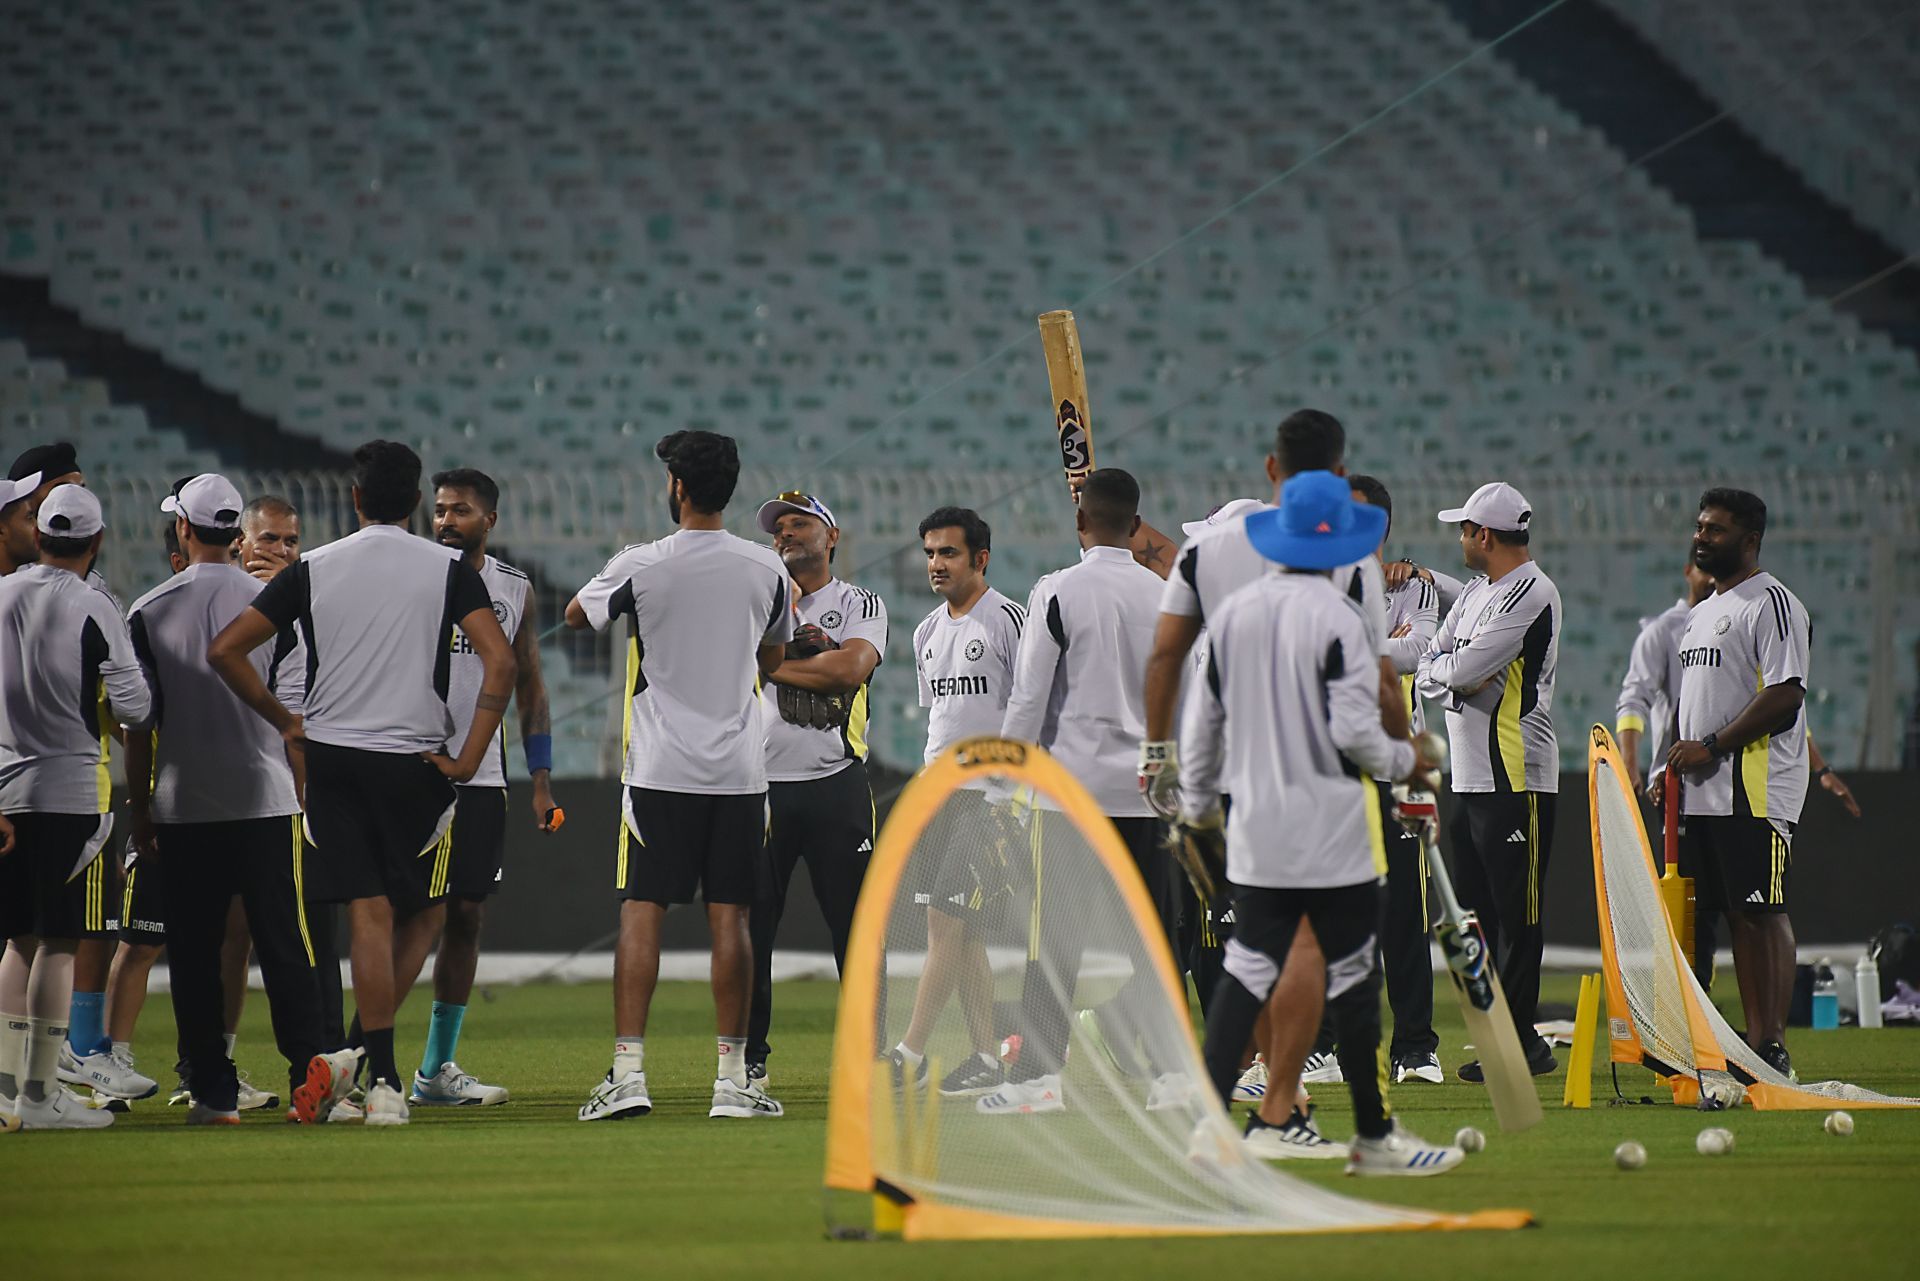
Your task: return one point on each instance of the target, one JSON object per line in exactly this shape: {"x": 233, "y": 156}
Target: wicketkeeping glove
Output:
{"x": 1159, "y": 776}
{"x": 1199, "y": 845}
{"x": 809, "y": 640}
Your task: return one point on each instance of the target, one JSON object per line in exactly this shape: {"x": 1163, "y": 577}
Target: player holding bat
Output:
{"x": 1288, "y": 721}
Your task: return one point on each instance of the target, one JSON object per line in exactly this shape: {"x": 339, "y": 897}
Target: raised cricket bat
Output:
{"x": 1483, "y": 1006}
{"x": 1073, "y": 427}
{"x": 1676, "y": 891}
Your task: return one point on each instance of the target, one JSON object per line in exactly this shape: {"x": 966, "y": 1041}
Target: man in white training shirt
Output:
{"x": 62, "y": 643}
{"x": 963, "y": 653}
{"x": 376, "y": 611}
{"x": 1078, "y": 692}
{"x": 1288, "y": 721}
{"x": 469, "y": 864}
{"x": 816, "y": 705}
{"x": 1742, "y": 753}
{"x": 709, "y": 615}
{"x": 1491, "y": 666}
{"x": 214, "y": 807}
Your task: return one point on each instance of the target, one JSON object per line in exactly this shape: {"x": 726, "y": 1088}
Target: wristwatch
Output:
{"x": 1822, "y": 772}
{"x": 1712, "y": 743}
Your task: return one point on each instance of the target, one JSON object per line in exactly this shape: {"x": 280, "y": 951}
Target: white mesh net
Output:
{"x": 1660, "y": 987}
{"x": 1011, "y": 940}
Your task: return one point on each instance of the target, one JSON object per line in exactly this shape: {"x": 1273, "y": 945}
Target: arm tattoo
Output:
{"x": 492, "y": 702}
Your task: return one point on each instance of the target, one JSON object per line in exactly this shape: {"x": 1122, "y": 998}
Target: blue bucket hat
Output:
{"x": 1317, "y": 525}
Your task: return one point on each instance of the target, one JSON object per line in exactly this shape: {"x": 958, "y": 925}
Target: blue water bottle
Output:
{"x": 1826, "y": 996}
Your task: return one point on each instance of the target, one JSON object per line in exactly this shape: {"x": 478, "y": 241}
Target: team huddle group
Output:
{"x": 310, "y": 732}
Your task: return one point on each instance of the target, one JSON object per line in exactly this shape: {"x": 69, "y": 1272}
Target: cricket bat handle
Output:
{"x": 1670, "y": 821}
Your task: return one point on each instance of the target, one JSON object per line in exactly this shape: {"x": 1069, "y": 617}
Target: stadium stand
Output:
{"x": 497, "y": 231}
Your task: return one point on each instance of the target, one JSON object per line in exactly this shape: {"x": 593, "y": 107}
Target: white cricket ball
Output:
{"x": 1714, "y": 1141}
{"x": 1629, "y": 1155}
{"x": 1839, "y": 1124}
{"x": 1435, "y": 746}
{"x": 1470, "y": 1140}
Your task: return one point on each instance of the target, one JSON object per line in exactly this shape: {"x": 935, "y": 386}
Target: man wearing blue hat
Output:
{"x": 1304, "y": 843}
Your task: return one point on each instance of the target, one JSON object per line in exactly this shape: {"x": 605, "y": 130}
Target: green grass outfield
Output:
{"x": 526, "y": 1190}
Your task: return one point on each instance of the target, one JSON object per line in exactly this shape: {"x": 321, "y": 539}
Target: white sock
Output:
{"x": 912, "y": 1059}
{"x": 629, "y": 1055}
{"x": 733, "y": 1060}
{"x": 230, "y": 1038}
{"x": 44, "y": 1039}
{"x": 14, "y": 1030}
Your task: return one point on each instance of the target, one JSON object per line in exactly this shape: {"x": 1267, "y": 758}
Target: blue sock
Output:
{"x": 86, "y": 1023}
{"x": 443, "y": 1036}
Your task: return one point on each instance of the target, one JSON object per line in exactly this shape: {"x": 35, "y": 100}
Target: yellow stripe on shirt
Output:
{"x": 1513, "y": 745}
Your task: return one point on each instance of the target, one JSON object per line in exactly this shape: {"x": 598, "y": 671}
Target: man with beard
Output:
{"x": 1491, "y": 666}
{"x": 815, "y": 704}
{"x": 709, "y": 616}
{"x": 1742, "y": 753}
{"x": 468, "y": 868}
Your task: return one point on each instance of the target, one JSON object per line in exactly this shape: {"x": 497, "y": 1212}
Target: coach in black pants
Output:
{"x": 815, "y": 706}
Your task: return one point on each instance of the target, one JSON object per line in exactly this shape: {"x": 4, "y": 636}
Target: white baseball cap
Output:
{"x": 1231, "y": 510}
{"x": 794, "y": 501}
{"x": 208, "y": 500}
{"x": 12, "y": 491}
{"x": 69, "y": 511}
{"x": 1495, "y": 505}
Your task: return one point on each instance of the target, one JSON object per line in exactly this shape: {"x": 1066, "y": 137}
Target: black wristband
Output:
{"x": 1822, "y": 772}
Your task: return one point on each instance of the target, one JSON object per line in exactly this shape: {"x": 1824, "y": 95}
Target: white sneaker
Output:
{"x": 1321, "y": 1069}
{"x": 251, "y": 1098}
{"x": 329, "y": 1081}
{"x": 67, "y": 1069}
{"x": 612, "y": 1100}
{"x": 1402, "y": 1153}
{"x": 1297, "y": 1139}
{"x": 1042, "y": 1094}
{"x": 1252, "y": 1085}
{"x": 1170, "y": 1092}
{"x": 113, "y": 1075}
{"x": 732, "y": 1100}
{"x": 62, "y": 1111}
{"x": 385, "y": 1105}
{"x": 345, "y": 1111}
{"x": 1419, "y": 1067}
{"x": 450, "y": 1087}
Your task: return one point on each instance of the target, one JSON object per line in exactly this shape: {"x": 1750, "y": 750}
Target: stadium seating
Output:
{"x": 533, "y": 235}
{"x": 1832, "y": 88}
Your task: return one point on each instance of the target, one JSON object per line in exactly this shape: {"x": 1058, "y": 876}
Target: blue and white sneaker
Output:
{"x": 452, "y": 1088}
{"x": 1252, "y": 1085}
{"x": 1400, "y": 1153}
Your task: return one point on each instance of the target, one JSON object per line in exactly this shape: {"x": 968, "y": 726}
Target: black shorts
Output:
{"x": 374, "y": 826}
{"x": 141, "y": 918}
{"x": 676, "y": 844}
{"x": 1346, "y": 921}
{"x": 44, "y": 889}
{"x": 967, "y": 870}
{"x": 477, "y": 844}
{"x": 1745, "y": 863}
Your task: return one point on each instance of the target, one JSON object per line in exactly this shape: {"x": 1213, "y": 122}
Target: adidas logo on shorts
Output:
{"x": 1755, "y": 897}
{"x": 1518, "y": 838}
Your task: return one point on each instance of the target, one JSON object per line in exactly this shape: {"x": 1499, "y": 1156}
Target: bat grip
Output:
{"x": 1670, "y": 819}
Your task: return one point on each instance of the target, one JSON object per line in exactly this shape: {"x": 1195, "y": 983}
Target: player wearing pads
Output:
{"x": 816, "y": 705}
{"x": 1078, "y": 692}
{"x": 1210, "y": 566}
{"x": 709, "y": 615}
{"x": 62, "y": 642}
{"x": 963, "y": 653}
{"x": 1492, "y": 667}
{"x": 466, "y": 506}
{"x": 1742, "y": 752}
{"x": 1288, "y": 722}
{"x": 376, "y": 611}
{"x": 213, "y": 803}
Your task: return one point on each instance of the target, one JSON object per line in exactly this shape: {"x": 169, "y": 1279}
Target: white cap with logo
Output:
{"x": 12, "y": 491}
{"x": 1495, "y": 505}
{"x": 1231, "y": 510}
{"x": 209, "y": 500}
{"x": 69, "y": 511}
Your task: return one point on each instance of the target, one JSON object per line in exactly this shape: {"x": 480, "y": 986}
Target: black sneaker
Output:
{"x": 897, "y": 1067}
{"x": 1539, "y": 1063}
{"x": 978, "y": 1074}
{"x": 1775, "y": 1056}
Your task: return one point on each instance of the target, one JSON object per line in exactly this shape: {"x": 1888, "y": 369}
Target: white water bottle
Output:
{"x": 1866, "y": 978}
